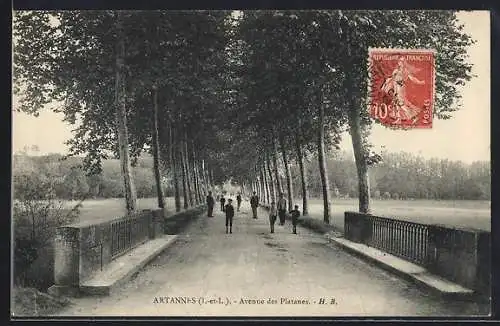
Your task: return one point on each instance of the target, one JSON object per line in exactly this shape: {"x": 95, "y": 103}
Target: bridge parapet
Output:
{"x": 457, "y": 254}
{"x": 84, "y": 249}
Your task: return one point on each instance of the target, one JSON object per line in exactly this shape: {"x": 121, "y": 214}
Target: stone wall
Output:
{"x": 459, "y": 255}
{"x": 83, "y": 249}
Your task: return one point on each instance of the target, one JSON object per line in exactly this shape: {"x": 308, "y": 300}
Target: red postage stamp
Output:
{"x": 401, "y": 87}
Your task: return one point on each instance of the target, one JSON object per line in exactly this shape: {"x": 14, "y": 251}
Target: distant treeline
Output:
{"x": 403, "y": 176}
{"x": 69, "y": 180}
{"x": 399, "y": 176}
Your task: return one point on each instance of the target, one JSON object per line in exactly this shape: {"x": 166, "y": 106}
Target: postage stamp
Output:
{"x": 401, "y": 87}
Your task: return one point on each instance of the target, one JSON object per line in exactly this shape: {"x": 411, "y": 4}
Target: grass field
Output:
{"x": 454, "y": 213}
{"x": 459, "y": 213}
{"x": 97, "y": 209}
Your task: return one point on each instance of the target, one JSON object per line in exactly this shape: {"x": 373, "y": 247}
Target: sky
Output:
{"x": 465, "y": 137}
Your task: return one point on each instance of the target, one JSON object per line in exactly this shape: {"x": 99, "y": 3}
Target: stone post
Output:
{"x": 66, "y": 262}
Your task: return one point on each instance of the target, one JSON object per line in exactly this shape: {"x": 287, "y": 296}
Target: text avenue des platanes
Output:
{"x": 241, "y": 301}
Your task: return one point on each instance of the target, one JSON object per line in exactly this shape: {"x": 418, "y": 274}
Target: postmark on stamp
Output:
{"x": 401, "y": 87}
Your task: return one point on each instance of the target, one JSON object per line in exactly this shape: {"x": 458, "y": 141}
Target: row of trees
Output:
{"x": 303, "y": 84}
{"x": 400, "y": 176}
{"x": 133, "y": 81}
{"x": 216, "y": 95}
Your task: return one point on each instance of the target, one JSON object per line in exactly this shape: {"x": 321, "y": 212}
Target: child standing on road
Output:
{"x": 295, "y": 218}
{"x": 229, "y": 209}
{"x": 272, "y": 215}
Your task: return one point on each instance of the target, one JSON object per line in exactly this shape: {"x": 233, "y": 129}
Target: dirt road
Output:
{"x": 254, "y": 273}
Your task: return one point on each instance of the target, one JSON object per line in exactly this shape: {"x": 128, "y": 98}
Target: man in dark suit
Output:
{"x": 238, "y": 200}
{"x": 254, "y": 203}
{"x": 282, "y": 208}
{"x": 229, "y": 215}
{"x": 222, "y": 202}
{"x": 210, "y": 204}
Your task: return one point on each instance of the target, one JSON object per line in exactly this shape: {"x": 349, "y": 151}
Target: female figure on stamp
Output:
{"x": 403, "y": 109}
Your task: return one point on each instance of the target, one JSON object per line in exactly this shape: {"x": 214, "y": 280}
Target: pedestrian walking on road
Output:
{"x": 238, "y": 200}
{"x": 295, "y": 218}
{"x": 222, "y": 202}
{"x": 254, "y": 202}
{"x": 282, "y": 208}
{"x": 272, "y": 216}
{"x": 229, "y": 216}
{"x": 210, "y": 204}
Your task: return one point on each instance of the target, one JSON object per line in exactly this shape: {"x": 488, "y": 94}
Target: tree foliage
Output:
{"x": 230, "y": 86}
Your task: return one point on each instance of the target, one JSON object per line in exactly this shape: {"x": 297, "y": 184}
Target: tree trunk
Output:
{"x": 358, "y": 136}
{"x": 174, "y": 165}
{"x": 209, "y": 179}
{"x": 200, "y": 180}
{"x": 288, "y": 176}
{"x": 205, "y": 178}
{"x": 261, "y": 188}
{"x": 187, "y": 168}
{"x": 156, "y": 151}
{"x": 33, "y": 226}
{"x": 257, "y": 190}
{"x": 279, "y": 188}
{"x": 121, "y": 122}
{"x": 262, "y": 196}
{"x": 185, "y": 187}
{"x": 201, "y": 186}
{"x": 322, "y": 165}
{"x": 184, "y": 179}
{"x": 271, "y": 181}
{"x": 360, "y": 155}
{"x": 196, "y": 185}
{"x": 303, "y": 177}
{"x": 268, "y": 184}
{"x": 212, "y": 177}
{"x": 196, "y": 179}
{"x": 264, "y": 185}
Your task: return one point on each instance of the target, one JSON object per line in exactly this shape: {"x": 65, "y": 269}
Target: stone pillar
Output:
{"x": 157, "y": 217}
{"x": 356, "y": 227}
{"x": 150, "y": 217}
{"x": 461, "y": 255}
{"x": 66, "y": 262}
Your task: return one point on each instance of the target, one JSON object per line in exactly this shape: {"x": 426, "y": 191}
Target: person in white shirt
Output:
{"x": 282, "y": 208}
{"x": 272, "y": 215}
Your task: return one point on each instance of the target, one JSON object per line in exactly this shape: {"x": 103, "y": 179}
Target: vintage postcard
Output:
{"x": 248, "y": 163}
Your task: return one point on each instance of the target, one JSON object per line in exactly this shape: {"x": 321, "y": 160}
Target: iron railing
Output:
{"x": 129, "y": 232}
{"x": 407, "y": 240}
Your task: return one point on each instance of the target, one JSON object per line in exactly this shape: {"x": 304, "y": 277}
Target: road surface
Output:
{"x": 254, "y": 273}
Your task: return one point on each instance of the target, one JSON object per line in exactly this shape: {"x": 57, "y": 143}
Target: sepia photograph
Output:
{"x": 251, "y": 163}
